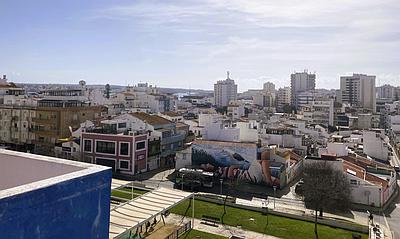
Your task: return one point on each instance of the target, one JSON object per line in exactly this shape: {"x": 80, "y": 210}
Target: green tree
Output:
{"x": 222, "y": 110}
{"x": 325, "y": 188}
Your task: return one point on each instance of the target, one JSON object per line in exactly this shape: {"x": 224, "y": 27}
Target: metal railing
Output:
{"x": 180, "y": 231}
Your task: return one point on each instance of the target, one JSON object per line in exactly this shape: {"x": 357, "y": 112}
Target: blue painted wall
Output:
{"x": 78, "y": 208}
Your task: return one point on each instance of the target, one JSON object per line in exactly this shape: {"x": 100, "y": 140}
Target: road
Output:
{"x": 393, "y": 213}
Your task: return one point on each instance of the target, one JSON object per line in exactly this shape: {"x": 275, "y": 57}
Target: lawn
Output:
{"x": 127, "y": 193}
{"x": 200, "y": 235}
{"x": 254, "y": 221}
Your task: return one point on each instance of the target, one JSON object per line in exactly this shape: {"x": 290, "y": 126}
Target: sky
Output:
{"x": 192, "y": 43}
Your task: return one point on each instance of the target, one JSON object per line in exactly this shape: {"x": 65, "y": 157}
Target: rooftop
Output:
{"x": 151, "y": 119}
{"x": 171, "y": 113}
{"x": 23, "y": 172}
{"x": 9, "y": 85}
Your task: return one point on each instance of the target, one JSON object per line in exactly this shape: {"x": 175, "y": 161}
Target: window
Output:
{"x": 121, "y": 125}
{"x": 124, "y": 149}
{"x": 106, "y": 162}
{"x": 140, "y": 145}
{"x": 87, "y": 146}
{"x": 124, "y": 164}
{"x": 105, "y": 147}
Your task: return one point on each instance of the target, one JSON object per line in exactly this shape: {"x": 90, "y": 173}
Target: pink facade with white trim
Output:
{"x": 123, "y": 152}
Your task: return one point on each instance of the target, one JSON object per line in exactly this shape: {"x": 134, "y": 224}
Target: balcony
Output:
{"x": 43, "y": 121}
{"x": 43, "y": 132}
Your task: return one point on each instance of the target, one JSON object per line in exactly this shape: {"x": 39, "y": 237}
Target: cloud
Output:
{"x": 273, "y": 38}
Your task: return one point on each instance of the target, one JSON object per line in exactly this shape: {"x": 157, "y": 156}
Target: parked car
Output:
{"x": 299, "y": 188}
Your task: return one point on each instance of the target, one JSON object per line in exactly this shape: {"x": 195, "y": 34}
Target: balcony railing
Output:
{"x": 45, "y": 132}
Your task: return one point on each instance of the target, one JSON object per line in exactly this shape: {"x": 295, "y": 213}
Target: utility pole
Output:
{"x": 193, "y": 211}
{"x": 274, "y": 194}
{"x": 220, "y": 189}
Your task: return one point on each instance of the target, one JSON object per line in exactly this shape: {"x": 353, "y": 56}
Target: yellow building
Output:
{"x": 54, "y": 123}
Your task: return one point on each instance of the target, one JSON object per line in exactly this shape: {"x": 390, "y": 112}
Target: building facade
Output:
{"x": 301, "y": 82}
{"x": 54, "y": 123}
{"x": 123, "y": 153}
{"x": 283, "y": 97}
{"x": 224, "y": 92}
{"x": 358, "y": 90}
{"x": 16, "y": 126}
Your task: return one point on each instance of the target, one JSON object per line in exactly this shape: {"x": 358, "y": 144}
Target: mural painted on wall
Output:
{"x": 236, "y": 161}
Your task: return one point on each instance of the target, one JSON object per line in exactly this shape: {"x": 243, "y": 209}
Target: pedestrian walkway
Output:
{"x": 296, "y": 207}
{"x": 223, "y": 230}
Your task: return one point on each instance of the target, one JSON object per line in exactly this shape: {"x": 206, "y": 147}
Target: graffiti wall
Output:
{"x": 236, "y": 161}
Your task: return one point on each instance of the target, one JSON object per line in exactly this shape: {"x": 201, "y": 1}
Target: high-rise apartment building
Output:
{"x": 358, "y": 90}
{"x": 301, "y": 82}
{"x": 225, "y": 91}
{"x": 387, "y": 92}
{"x": 269, "y": 87}
{"x": 282, "y": 98}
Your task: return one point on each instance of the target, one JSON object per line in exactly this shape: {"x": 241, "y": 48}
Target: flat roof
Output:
{"x": 134, "y": 213}
{"x": 23, "y": 172}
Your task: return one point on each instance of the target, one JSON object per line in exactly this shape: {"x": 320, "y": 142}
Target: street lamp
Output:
{"x": 132, "y": 190}
{"x": 182, "y": 181}
{"x": 220, "y": 188}
{"x": 274, "y": 194}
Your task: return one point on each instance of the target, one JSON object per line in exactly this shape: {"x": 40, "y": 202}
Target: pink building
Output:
{"x": 123, "y": 153}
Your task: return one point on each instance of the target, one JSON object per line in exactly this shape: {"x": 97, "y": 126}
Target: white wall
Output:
{"x": 216, "y": 131}
{"x": 374, "y": 146}
{"x": 339, "y": 149}
{"x": 183, "y": 158}
{"x": 205, "y": 119}
{"x": 364, "y": 193}
{"x": 247, "y": 132}
{"x": 395, "y": 123}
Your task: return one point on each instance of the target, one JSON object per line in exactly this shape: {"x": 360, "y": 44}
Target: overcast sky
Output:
{"x": 191, "y": 44}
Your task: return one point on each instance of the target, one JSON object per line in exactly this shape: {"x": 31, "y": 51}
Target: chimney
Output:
{"x": 4, "y": 77}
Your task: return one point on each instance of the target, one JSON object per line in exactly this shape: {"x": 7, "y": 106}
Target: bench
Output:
{"x": 209, "y": 220}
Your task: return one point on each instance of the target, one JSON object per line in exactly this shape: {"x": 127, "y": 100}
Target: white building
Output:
{"x": 218, "y": 131}
{"x": 375, "y": 145}
{"x": 269, "y": 87}
{"x": 265, "y": 99}
{"x": 335, "y": 148}
{"x": 386, "y": 92}
{"x": 16, "y": 125}
{"x": 358, "y": 90}
{"x": 235, "y": 111}
{"x": 224, "y": 92}
{"x": 320, "y": 112}
{"x": 248, "y": 131}
{"x": 395, "y": 123}
{"x": 283, "y": 98}
{"x": 301, "y": 82}
{"x": 371, "y": 183}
